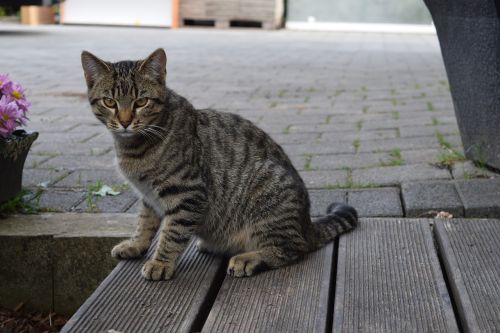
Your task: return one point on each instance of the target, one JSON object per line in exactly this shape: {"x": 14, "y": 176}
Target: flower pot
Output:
{"x": 13, "y": 152}
{"x": 469, "y": 35}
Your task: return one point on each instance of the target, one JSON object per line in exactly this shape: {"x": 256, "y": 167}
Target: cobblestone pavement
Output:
{"x": 367, "y": 118}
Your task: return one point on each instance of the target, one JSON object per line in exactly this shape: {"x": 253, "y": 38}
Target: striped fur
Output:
{"x": 203, "y": 173}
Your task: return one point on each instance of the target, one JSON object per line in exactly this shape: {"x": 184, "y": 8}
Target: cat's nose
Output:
{"x": 125, "y": 118}
{"x": 125, "y": 123}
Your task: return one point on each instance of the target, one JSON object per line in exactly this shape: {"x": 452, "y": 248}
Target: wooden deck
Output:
{"x": 387, "y": 276}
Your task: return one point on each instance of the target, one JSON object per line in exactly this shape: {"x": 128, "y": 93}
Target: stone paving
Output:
{"x": 366, "y": 118}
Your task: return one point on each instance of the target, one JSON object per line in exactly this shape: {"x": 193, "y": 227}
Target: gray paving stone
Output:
{"x": 467, "y": 170}
{"x": 320, "y": 199}
{"x": 305, "y": 149}
{"x": 294, "y": 137}
{"x": 312, "y": 128}
{"x": 389, "y": 133}
{"x": 109, "y": 204}
{"x": 357, "y": 94}
{"x": 421, "y": 198}
{"x": 324, "y": 179}
{"x": 376, "y": 202}
{"x": 60, "y": 201}
{"x": 405, "y": 143}
{"x": 393, "y": 175}
{"x": 33, "y": 161}
{"x": 427, "y": 130}
{"x": 58, "y": 148}
{"x": 82, "y": 162}
{"x": 421, "y": 156}
{"x": 352, "y": 161}
{"x": 299, "y": 161}
{"x": 481, "y": 197}
{"x": 84, "y": 178}
{"x": 68, "y": 138}
{"x": 42, "y": 177}
{"x": 135, "y": 207}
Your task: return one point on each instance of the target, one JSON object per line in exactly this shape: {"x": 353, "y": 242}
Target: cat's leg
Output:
{"x": 139, "y": 243}
{"x": 176, "y": 232}
{"x": 250, "y": 263}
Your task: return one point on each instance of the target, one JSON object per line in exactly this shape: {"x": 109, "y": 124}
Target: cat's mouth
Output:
{"x": 124, "y": 133}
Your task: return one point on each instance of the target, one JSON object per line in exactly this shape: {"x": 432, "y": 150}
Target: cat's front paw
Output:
{"x": 158, "y": 270}
{"x": 128, "y": 249}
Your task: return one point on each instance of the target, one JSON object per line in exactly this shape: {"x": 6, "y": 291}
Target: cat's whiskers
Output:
{"x": 155, "y": 132}
{"x": 156, "y": 126}
{"x": 147, "y": 135}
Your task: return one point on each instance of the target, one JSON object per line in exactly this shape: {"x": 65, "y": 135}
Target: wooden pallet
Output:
{"x": 226, "y": 24}
{"x": 267, "y": 14}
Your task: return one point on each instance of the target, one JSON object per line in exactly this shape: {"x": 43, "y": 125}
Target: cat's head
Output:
{"x": 127, "y": 96}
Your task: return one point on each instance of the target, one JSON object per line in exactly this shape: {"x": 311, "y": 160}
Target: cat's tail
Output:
{"x": 339, "y": 218}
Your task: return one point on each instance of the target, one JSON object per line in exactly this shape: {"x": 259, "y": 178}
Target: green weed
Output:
{"x": 307, "y": 164}
{"x": 430, "y": 107}
{"x": 356, "y": 143}
{"x": 395, "y": 158}
{"x": 359, "y": 125}
{"x": 26, "y": 202}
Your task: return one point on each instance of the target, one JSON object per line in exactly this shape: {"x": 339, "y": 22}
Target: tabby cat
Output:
{"x": 203, "y": 173}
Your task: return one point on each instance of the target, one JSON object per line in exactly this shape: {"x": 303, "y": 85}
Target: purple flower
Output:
{"x": 15, "y": 91}
{"x": 11, "y": 116}
{"x": 13, "y": 106}
{"x": 4, "y": 79}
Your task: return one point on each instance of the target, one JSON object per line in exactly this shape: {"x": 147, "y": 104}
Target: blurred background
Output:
{"x": 293, "y": 14}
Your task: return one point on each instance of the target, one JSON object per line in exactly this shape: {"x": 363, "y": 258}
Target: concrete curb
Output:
{"x": 53, "y": 262}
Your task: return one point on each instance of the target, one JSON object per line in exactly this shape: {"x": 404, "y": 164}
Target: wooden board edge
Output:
{"x": 201, "y": 305}
{"x": 458, "y": 290}
{"x": 439, "y": 280}
{"x": 325, "y": 303}
{"x": 338, "y": 302}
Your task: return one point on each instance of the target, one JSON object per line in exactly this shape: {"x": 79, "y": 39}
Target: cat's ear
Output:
{"x": 155, "y": 66}
{"x": 93, "y": 68}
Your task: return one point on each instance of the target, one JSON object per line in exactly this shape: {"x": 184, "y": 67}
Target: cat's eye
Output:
{"x": 141, "y": 102}
{"x": 108, "y": 102}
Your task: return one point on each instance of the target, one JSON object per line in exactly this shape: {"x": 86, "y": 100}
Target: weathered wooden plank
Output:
{"x": 389, "y": 280}
{"x": 126, "y": 302}
{"x": 470, "y": 252}
{"x": 289, "y": 299}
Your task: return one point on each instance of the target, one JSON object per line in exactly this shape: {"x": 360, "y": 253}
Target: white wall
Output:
{"x": 359, "y": 11}
{"x": 119, "y": 12}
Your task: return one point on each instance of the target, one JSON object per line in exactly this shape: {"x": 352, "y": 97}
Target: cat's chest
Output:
{"x": 148, "y": 194}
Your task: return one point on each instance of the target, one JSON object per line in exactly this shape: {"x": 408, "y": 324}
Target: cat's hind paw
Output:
{"x": 245, "y": 264}
{"x": 128, "y": 249}
{"x": 158, "y": 270}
